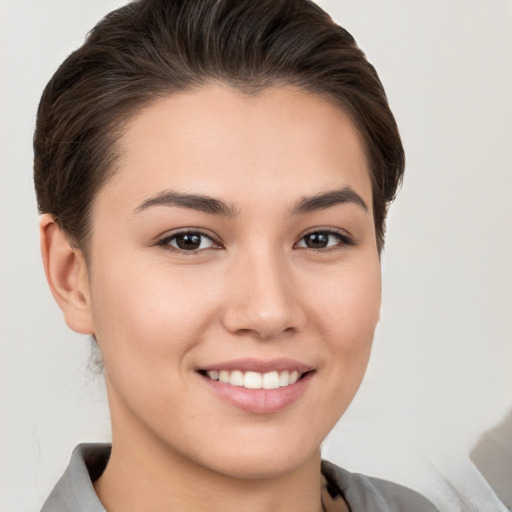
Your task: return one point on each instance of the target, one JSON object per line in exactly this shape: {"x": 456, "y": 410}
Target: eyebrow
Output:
{"x": 198, "y": 202}
{"x": 327, "y": 199}
{"x": 214, "y": 206}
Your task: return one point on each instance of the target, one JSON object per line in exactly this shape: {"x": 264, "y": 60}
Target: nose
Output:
{"x": 264, "y": 301}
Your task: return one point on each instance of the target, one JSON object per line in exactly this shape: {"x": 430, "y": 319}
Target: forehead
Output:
{"x": 216, "y": 138}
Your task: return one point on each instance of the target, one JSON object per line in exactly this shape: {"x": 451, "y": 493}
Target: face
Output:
{"x": 234, "y": 278}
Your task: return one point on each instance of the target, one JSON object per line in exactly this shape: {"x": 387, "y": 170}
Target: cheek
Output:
{"x": 147, "y": 322}
{"x": 347, "y": 312}
{"x": 149, "y": 311}
{"x": 348, "y": 303}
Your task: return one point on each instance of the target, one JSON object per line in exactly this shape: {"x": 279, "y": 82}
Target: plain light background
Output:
{"x": 441, "y": 371}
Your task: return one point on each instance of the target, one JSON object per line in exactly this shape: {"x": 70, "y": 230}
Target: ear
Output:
{"x": 67, "y": 275}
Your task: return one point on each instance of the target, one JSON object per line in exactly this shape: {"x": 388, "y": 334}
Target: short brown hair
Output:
{"x": 152, "y": 48}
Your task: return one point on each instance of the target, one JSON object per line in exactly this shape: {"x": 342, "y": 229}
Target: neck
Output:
{"x": 144, "y": 474}
{"x": 137, "y": 481}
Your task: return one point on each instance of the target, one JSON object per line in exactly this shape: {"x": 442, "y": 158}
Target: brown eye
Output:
{"x": 324, "y": 240}
{"x": 317, "y": 240}
{"x": 188, "y": 241}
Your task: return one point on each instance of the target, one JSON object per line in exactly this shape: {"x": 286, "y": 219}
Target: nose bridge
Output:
{"x": 263, "y": 299}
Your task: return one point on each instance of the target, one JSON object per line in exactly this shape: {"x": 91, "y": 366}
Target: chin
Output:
{"x": 264, "y": 464}
{"x": 260, "y": 457}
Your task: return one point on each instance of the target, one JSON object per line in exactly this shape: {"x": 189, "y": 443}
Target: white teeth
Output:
{"x": 284, "y": 378}
{"x": 255, "y": 380}
{"x": 271, "y": 380}
{"x": 236, "y": 378}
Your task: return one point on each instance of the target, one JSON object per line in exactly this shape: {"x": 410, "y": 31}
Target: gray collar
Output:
{"x": 74, "y": 492}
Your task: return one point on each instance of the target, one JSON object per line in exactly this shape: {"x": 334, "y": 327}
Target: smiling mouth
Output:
{"x": 257, "y": 386}
{"x": 255, "y": 380}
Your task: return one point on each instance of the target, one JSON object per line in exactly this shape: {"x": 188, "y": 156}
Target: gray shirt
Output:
{"x": 74, "y": 492}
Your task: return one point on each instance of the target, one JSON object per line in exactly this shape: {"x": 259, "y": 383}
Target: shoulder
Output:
{"x": 363, "y": 493}
{"x": 74, "y": 492}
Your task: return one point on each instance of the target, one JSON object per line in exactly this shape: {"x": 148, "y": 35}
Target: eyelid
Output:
{"x": 163, "y": 240}
{"x": 346, "y": 240}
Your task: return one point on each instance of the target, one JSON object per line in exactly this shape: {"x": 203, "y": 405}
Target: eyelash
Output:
{"x": 166, "y": 241}
{"x": 344, "y": 240}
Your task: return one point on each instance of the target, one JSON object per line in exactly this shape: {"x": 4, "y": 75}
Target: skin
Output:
{"x": 160, "y": 313}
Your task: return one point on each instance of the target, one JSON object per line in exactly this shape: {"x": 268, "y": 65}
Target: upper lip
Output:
{"x": 258, "y": 365}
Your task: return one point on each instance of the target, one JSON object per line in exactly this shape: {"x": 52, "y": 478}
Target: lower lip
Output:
{"x": 260, "y": 401}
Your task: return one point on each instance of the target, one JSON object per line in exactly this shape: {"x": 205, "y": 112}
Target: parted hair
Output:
{"x": 150, "y": 49}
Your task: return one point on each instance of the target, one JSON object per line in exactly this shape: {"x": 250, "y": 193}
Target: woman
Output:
{"x": 213, "y": 179}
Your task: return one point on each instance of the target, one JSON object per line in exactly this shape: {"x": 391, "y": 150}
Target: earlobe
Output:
{"x": 67, "y": 275}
